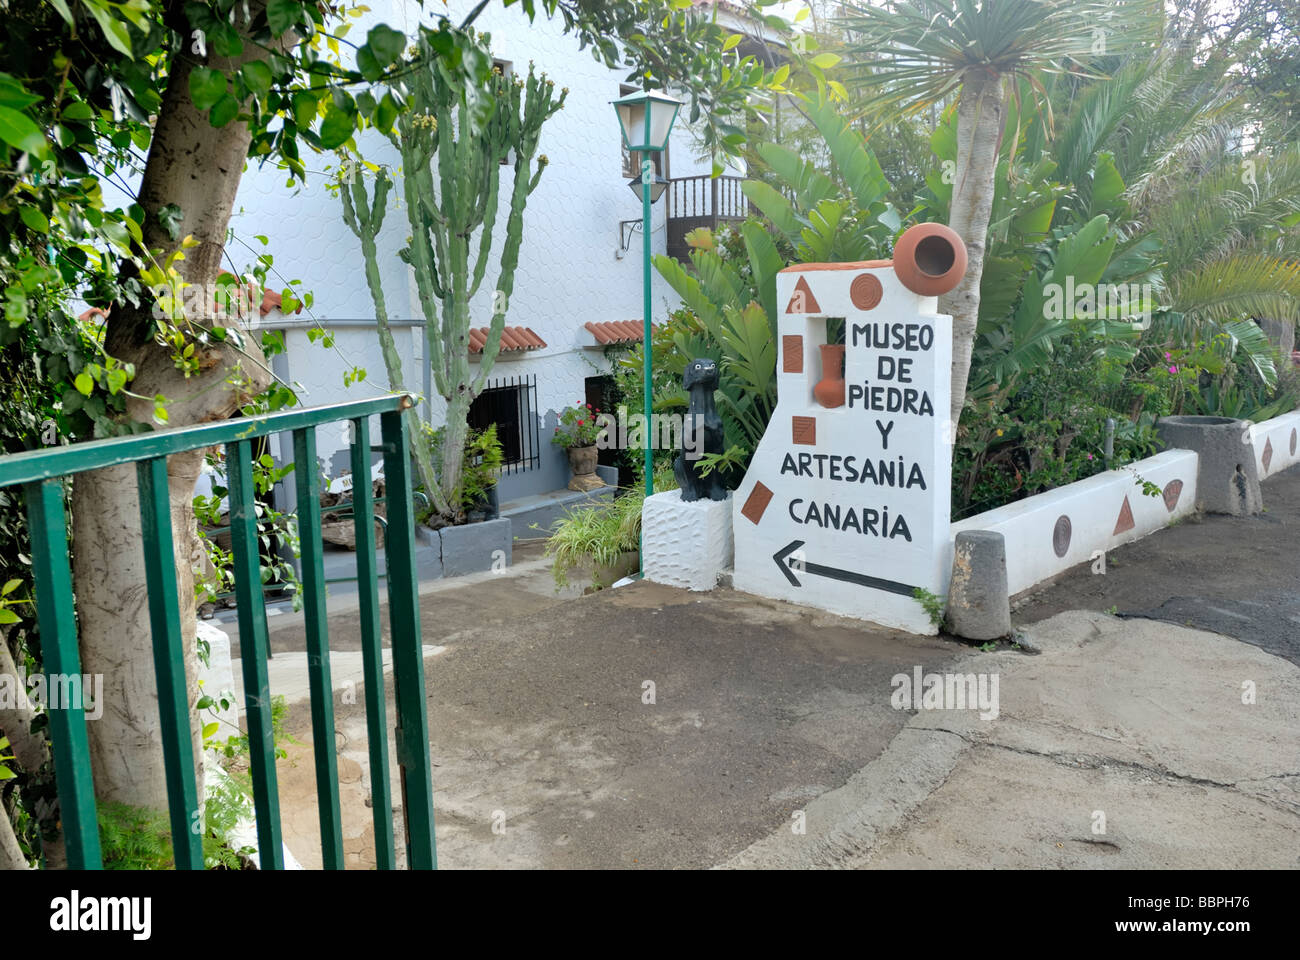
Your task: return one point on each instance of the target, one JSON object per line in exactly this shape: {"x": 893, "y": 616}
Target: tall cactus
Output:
{"x": 454, "y": 142}
{"x": 364, "y": 218}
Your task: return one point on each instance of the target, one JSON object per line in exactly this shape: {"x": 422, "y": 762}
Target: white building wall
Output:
{"x": 568, "y": 272}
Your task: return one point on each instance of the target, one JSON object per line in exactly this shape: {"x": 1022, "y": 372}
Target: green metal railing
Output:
{"x": 41, "y": 472}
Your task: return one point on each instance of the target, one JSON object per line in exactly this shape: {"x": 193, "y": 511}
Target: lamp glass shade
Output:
{"x": 657, "y": 187}
{"x": 647, "y": 119}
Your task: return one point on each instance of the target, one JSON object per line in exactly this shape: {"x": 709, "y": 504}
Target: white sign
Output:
{"x": 846, "y": 502}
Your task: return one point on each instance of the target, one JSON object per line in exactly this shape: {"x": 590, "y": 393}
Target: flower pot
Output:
{"x": 830, "y": 389}
{"x": 582, "y": 462}
{"x": 603, "y": 576}
{"x": 486, "y": 508}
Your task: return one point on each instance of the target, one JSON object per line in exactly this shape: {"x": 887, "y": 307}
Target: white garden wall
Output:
{"x": 1051, "y": 532}
{"x": 1276, "y": 444}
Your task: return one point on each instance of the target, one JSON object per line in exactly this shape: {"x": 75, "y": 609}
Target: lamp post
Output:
{"x": 647, "y": 119}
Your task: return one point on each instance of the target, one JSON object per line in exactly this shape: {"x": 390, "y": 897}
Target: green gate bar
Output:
{"x": 412, "y": 731}
{"x": 251, "y": 608}
{"x": 41, "y": 474}
{"x": 318, "y": 648}
{"x": 169, "y": 661}
{"x": 54, "y": 609}
{"x": 372, "y": 655}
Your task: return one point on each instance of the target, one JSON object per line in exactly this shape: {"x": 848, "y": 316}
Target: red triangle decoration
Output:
{"x": 803, "y": 300}
{"x": 1125, "y": 521}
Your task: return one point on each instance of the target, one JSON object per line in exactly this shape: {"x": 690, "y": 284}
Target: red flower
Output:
{"x": 581, "y": 422}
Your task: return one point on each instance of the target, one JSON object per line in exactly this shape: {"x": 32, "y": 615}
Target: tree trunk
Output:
{"x": 27, "y": 748}
{"x": 11, "y": 855}
{"x": 455, "y": 433}
{"x": 980, "y": 115}
{"x": 198, "y": 167}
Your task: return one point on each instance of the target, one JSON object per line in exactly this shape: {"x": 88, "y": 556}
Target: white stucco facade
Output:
{"x": 568, "y": 274}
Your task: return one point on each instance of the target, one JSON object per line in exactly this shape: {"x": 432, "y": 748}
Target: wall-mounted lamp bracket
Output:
{"x": 626, "y": 228}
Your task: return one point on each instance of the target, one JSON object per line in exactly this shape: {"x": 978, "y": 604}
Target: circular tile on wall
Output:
{"x": 865, "y": 291}
{"x": 1173, "y": 490}
{"x": 1061, "y": 536}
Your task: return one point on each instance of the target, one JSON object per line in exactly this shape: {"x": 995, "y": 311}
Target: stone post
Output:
{"x": 1227, "y": 478}
{"x": 979, "y": 606}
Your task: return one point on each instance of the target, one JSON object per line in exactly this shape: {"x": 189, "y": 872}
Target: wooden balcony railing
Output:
{"x": 702, "y": 201}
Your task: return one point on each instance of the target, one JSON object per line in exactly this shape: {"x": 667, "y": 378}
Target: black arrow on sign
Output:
{"x": 834, "y": 573}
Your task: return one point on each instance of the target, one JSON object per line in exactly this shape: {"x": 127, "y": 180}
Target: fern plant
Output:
{"x": 134, "y": 838}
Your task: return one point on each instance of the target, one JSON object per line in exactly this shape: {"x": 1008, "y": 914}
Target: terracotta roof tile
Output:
{"x": 512, "y": 339}
{"x": 273, "y": 301}
{"x": 615, "y": 331}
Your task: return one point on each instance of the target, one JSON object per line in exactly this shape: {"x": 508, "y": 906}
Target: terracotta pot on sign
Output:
{"x": 830, "y": 389}
{"x": 930, "y": 259}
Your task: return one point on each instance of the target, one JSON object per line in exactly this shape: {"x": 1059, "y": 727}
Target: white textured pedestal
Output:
{"x": 685, "y": 544}
{"x": 218, "y": 677}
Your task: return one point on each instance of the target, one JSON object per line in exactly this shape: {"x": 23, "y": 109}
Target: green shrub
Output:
{"x": 134, "y": 838}
{"x": 1050, "y": 429}
{"x": 480, "y": 468}
{"x": 597, "y": 536}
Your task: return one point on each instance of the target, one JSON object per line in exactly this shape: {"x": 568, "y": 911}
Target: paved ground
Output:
{"x": 766, "y": 716}
{"x": 1136, "y": 728}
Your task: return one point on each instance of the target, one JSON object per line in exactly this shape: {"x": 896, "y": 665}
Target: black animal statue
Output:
{"x": 700, "y": 381}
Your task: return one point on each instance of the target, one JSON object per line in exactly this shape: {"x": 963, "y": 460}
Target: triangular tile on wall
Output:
{"x": 1125, "y": 521}
{"x": 802, "y": 300}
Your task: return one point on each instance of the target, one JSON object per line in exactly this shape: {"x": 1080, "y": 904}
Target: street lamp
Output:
{"x": 656, "y": 188}
{"x": 647, "y": 119}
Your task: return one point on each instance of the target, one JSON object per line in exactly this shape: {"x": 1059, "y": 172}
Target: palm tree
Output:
{"x": 912, "y": 55}
{"x": 1228, "y": 225}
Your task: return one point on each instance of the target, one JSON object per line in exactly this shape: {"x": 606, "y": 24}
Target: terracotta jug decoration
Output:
{"x": 830, "y": 389}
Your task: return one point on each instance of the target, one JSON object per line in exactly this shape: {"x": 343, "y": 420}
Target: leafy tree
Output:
{"x": 1260, "y": 40}
{"x": 1138, "y": 183}
{"x": 914, "y": 55}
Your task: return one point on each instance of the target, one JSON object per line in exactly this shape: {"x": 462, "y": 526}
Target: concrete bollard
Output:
{"x": 1227, "y": 478}
{"x": 979, "y": 607}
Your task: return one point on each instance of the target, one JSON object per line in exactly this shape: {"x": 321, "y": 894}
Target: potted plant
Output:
{"x": 476, "y": 497}
{"x": 577, "y": 433}
{"x": 483, "y": 458}
{"x": 604, "y": 540}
